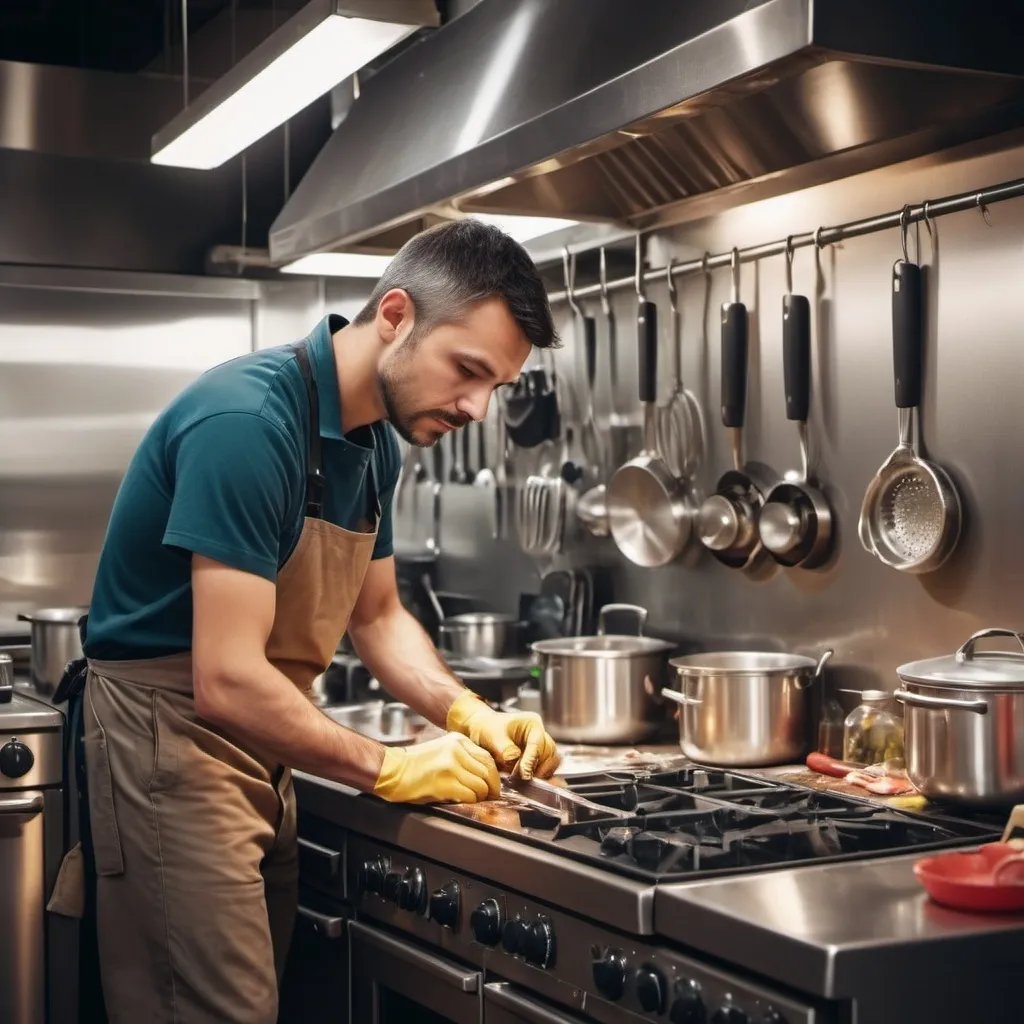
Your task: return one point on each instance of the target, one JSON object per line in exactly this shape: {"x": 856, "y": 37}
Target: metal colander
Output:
{"x": 911, "y": 514}
{"x": 910, "y": 517}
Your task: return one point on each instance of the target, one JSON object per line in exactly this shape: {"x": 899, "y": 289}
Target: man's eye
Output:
{"x": 466, "y": 371}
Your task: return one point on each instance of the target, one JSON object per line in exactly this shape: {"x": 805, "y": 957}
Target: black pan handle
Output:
{"x": 796, "y": 355}
{"x": 734, "y": 363}
{"x": 907, "y": 333}
{"x": 647, "y": 354}
{"x": 590, "y": 349}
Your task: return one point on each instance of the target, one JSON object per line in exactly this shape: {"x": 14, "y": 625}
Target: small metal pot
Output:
{"x": 482, "y": 635}
{"x": 745, "y": 709}
{"x": 603, "y": 689}
{"x": 54, "y": 642}
{"x": 963, "y": 731}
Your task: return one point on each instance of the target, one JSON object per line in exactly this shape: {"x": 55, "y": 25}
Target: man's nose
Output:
{"x": 475, "y": 404}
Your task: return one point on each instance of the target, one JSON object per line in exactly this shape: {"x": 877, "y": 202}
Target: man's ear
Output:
{"x": 395, "y": 315}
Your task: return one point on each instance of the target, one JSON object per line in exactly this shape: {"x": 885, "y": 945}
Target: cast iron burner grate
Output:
{"x": 670, "y": 826}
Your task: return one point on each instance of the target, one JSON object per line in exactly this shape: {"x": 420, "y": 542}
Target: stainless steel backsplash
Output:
{"x": 874, "y": 617}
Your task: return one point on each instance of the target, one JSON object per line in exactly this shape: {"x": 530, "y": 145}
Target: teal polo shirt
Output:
{"x": 222, "y": 473}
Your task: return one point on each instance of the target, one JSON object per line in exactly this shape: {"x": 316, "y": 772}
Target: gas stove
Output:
{"x": 671, "y": 826}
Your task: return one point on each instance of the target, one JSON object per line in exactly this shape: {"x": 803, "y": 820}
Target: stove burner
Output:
{"x": 673, "y": 825}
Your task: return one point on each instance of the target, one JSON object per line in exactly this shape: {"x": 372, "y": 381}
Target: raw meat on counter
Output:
{"x": 882, "y": 779}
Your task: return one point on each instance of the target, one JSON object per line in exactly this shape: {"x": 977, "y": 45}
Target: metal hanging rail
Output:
{"x": 910, "y": 214}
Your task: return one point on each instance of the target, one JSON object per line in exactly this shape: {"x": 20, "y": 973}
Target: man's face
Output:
{"x": 444, "y": 379}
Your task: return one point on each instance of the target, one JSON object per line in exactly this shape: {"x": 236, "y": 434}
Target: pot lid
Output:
{"x": 970, "y": 668}
{"x": 608, "y": 645}
{"x": 741, "y": 663}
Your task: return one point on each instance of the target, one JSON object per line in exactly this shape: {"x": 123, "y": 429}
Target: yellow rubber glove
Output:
{"x": 510, "y": 737}
{"x": 451, "y": 769}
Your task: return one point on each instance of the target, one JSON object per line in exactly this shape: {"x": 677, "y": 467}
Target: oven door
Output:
{"x": 506, "y": 1004}
{"x": 22, "y": 877}
{"x": 393, "y": 981}
{"x": 315, "y": 982}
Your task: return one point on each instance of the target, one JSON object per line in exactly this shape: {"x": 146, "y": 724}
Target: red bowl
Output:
{"x": 978, "y": 880}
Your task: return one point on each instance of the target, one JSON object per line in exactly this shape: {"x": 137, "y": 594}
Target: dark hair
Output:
{"x": 451, "y": 267}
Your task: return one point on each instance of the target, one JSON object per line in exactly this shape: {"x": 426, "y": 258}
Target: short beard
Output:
{"x": 389, "y": 382}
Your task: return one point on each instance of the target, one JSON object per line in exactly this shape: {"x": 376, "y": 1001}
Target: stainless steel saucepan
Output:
{"x": 745, "y": 709}
{"x": 603, "y": 689}
{"x": 649, "y": 511}
{"x": 963, "y": 728}
{"x": 795, "y": 523}
{"x": 727, "y": 520}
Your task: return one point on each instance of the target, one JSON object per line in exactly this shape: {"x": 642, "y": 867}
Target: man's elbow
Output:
{"x": 215, "y": 693}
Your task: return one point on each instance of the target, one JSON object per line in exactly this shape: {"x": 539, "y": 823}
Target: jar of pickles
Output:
{"x": 873, "y": 732}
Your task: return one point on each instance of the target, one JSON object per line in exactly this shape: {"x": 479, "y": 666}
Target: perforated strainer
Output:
{"x": 910, "y": 517}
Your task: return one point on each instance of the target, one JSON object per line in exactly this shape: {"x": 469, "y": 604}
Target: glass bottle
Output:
{"x": 872, "y": 732}
{"x": 831, "y": 729}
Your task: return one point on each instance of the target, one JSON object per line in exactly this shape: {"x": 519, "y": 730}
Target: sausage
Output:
{"x": 829, "y": 765}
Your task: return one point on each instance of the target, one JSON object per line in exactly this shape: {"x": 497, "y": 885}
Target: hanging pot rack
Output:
{"x": 978, "y": 199}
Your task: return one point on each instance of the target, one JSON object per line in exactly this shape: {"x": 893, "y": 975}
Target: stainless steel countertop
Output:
{"x": 825, "y": 929}
{"x": 822, "y": 929}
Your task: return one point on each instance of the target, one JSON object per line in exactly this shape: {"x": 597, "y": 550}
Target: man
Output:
{"x": 253, "y": 529}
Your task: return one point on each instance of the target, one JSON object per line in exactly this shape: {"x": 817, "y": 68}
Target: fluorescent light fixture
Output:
{"x": 339, "y": 264}
{"x": 357, "y": 264}
{"x": 522, "y": 229}
{"x": 320, "y": 46}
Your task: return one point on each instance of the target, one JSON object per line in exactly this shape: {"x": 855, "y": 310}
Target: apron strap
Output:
{"x": 314, "y": 457}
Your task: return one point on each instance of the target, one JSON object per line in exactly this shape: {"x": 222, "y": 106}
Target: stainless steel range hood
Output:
{"x": 650, "y": 112}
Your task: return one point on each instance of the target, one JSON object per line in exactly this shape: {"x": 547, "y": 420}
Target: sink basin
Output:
{"x": 393, "y": 724}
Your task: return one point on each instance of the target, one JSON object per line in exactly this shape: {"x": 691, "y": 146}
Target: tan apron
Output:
{"x": 194, "y": 837}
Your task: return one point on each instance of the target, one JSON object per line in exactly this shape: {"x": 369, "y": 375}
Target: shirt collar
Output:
{"x": 325, "y": 371}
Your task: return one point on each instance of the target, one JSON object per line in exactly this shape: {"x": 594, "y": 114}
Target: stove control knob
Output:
{"x": 513, "y": 936}
{"x": 392, "y": 886}
{"x": 687, "y": 1007}
{"x": 16, "y": 759}
{"x": 412, "y": 893}
{"x": 609, "y": 970}
{"x": 370, "y": 877}
{"x": 730, "y": 1015}
{"x": 444, "y": 906}
{"x": 539, "y": 943}
{"x": 486, "y": 923}
{"x": 650, "y": 989}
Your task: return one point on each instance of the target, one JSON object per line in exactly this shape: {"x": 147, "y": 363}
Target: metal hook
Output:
{"x": 671, "y": 285}
{"x": 606, "y": 306}
{"x": 818, "y": 243}
{"x": 569, "y": 272}
{"x": 735, "y": 262}
{"x": 904, "y": 218}
{"x": 789, "y": 264}
{"x": 704, "y": 264}
{"x": 927, "y": 219}
{"x": 639, "y": 276}
{"x": 980, "y": 203}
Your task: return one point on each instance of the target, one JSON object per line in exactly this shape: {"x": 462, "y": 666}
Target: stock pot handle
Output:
{"x": 641, "y": 616}
{"x": 680, "y": 698}
{"x": 966, "y": 653}
{"x": 923, "y": 701}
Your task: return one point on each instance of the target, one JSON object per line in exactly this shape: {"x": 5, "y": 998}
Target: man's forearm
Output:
{"x": 401, "y": 656}
{"x": 261, "y": 707}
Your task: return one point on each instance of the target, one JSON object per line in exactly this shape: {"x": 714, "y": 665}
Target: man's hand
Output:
{"x": 510, "y": 737}
{"x": 450, "y": 769}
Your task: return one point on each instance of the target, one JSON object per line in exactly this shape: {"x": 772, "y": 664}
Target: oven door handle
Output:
{"x": 328, "y": 926}
{"x": 463, "y": 979}
{"x": 21, "y": 803}
{"x": 501, "y": 993}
